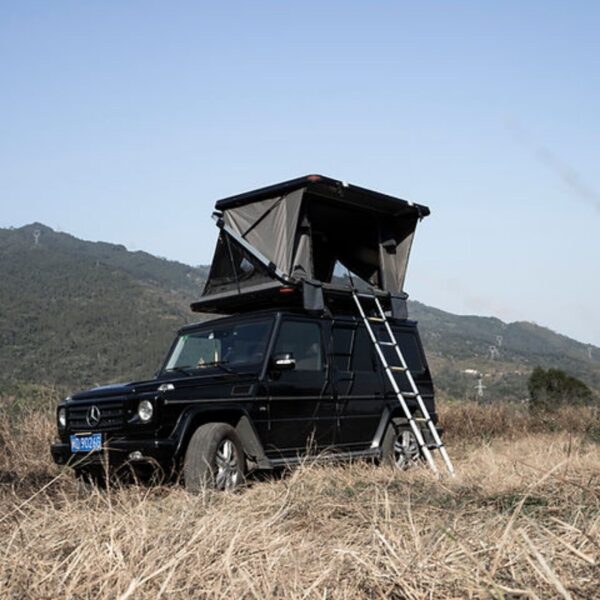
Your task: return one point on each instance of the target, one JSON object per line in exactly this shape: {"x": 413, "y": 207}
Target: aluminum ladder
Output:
{"x": 392, "y": 370}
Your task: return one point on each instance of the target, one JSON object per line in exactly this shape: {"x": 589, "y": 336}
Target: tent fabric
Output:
{"x": 233, "y": 268}
{"x": 269, "y": 225}
{"x": 306, "y": 231}
{"x": 394, "y": 252}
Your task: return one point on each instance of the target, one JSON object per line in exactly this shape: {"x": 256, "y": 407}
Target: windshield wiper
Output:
{"x": 183, "y": 370}
{"x": 219, "y": 363}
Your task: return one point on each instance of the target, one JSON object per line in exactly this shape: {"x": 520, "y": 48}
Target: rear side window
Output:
{"x": 352, "y": 349}
{"x": 410, "y": 349}
{"x": 342, "y": 347}
{"x": 362, "y": 352}
{"x": 303, "y": 340}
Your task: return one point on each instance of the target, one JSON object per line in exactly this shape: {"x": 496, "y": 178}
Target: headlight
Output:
{"x": 145, "y": 410}
{"x": 62, "y": 417}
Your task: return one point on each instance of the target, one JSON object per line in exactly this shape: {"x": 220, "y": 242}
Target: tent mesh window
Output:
{"x": 233, "y": 267}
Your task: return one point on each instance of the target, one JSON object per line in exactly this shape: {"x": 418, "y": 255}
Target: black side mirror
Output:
{"x": 284, "y": 362}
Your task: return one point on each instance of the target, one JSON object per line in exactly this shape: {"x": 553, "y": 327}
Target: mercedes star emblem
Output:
{"x": 93, "y": 416}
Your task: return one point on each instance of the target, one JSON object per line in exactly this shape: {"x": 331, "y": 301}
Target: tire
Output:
{"x": 400, "y": 448}
{"x": 214, "y": 459}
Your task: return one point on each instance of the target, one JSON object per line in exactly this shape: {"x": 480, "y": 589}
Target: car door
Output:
{"x": 358, "y": 386}
{"x": 294, "y": 394}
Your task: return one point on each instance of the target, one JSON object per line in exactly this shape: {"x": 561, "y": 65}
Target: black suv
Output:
{"x": 262, "y": 389}
{"x": 254, "y": 391}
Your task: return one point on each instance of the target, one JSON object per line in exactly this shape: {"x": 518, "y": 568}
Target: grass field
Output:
{"x": 521, "y": 519}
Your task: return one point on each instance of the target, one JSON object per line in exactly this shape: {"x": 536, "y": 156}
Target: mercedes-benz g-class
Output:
{"x": 260, "y": 389}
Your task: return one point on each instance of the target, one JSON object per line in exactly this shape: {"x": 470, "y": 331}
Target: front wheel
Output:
{"x": 214, "y": 459}
{"x": 400, "y": 447}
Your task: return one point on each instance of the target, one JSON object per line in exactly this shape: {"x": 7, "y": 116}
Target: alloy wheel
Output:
{"x": 406, "y": 449}
{"x": 228, "y": 472}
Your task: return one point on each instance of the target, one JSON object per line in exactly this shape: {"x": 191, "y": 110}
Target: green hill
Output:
{"x": 75, "y": 313}
{"x": 504, "y": 353}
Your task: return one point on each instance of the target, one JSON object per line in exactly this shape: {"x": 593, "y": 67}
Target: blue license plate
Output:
{"x": 86, "y": 443}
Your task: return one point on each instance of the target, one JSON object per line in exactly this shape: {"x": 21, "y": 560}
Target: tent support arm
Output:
{"x": 251, "y": 249}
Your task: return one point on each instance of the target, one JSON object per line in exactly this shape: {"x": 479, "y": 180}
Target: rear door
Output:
{"x": 358, "y": 385}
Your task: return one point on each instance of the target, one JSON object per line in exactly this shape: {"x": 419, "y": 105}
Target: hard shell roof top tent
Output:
{"x": 279, "y": 245}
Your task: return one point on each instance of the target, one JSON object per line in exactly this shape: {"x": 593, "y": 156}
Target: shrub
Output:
{"x": 551, "y": 389}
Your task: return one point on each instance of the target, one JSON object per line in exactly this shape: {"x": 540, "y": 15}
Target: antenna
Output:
{"x": 480, "y": 387}
{"x": 36, "y": 236}
{"x": 494, "y": 353}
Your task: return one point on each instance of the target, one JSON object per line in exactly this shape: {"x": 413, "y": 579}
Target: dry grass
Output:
{"x": 522, "y": 519}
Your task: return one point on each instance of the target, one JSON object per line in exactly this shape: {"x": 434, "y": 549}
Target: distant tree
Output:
{"x": 548, "y": 390}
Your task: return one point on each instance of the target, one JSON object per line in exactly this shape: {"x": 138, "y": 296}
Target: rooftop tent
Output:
{"x": 282, "y": 243}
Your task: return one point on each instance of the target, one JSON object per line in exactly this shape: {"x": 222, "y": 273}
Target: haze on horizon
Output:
{"x": 124, "y": 123}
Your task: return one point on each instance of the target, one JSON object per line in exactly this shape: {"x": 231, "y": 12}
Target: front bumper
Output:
{"x": 117, "y": 452}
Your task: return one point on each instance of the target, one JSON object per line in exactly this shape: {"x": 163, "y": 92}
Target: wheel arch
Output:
{"x": 237, "y": 417}
{"x": 388, "y": 416}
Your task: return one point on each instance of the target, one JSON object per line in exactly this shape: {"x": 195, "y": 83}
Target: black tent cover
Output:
{"x": 279, "y": 245}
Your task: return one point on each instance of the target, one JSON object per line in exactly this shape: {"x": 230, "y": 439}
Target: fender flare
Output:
{"x": 238, "y": 418}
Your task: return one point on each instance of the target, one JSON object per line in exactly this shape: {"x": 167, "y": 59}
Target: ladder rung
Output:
{"x": 376, "y": 319}
{"x": 409, "y": 394}
{"x": 386, "y": 343}
{"x": 401, "y": 369}
{"x": 365, "y": 295}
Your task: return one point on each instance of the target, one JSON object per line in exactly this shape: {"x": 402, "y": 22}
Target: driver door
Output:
{"x": 295, "y": 394}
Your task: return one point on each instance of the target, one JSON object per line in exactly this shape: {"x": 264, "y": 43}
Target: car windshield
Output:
{"x": 224, "y": 344}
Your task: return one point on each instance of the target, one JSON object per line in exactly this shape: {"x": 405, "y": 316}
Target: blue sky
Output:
{"x": 124, "y": 121}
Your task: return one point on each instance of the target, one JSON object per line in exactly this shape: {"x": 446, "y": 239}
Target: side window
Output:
{"x": 342, "y": 347}
{"x": 303, "y": 340}
{"x": 362, "y": 353}
{"x": 410, "y": 348}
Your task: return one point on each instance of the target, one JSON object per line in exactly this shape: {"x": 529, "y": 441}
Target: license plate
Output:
{"x": 86, "y": 443}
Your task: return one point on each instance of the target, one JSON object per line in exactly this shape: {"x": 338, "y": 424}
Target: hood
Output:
{"x": 105, "y": 391}
{"x": 209, "y": 377}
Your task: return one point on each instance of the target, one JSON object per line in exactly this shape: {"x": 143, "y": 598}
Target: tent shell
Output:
{"x": 279, "y": 245}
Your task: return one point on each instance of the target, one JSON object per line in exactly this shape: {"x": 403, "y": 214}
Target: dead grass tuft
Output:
{"x": 522, "y": 519}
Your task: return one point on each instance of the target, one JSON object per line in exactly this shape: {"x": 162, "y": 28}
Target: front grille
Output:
{"x": 112, "y": 416}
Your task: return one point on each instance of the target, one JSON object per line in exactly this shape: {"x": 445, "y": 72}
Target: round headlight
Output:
{"x": 145, "y": 410}
{"x": 62, "y": 417}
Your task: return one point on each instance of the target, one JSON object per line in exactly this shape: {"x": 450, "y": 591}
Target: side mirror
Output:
{"x": 284, "y": 362}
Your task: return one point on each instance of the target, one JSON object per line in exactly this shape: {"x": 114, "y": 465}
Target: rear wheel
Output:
{"x": 400, "y": 447}
{"x": 214, "y": 459}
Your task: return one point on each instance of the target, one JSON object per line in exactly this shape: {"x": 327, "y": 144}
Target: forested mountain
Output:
{"x": 75, "y": 313}
{"x": 504, "y": 353}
